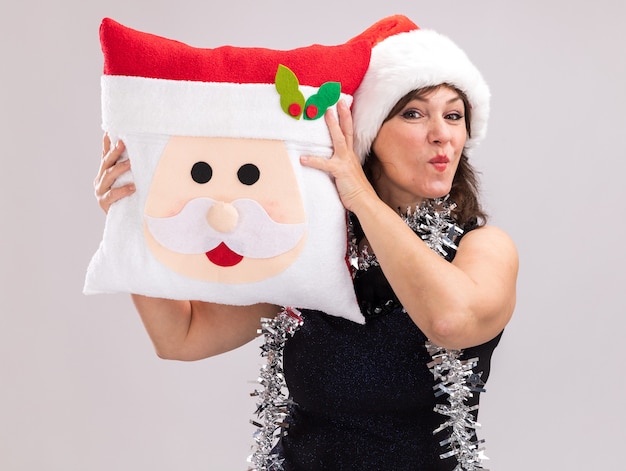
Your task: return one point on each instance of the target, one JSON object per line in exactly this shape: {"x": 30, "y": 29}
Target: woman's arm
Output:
{"x": 192, "y": 330}
{"x": 457, "y": 304}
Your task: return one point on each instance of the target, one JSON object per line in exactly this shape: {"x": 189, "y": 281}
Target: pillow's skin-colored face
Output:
{"x": 225, "y": 210}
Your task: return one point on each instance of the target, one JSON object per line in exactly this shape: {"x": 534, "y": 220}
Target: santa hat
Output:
{"x": 157, "y": 85}
{"x": 409, "y": 61}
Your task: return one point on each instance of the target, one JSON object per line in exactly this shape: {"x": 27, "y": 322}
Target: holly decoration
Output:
{"x": 292, "y": 100}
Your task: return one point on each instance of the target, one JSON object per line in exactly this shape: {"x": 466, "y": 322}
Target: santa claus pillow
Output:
{"x": 223, "y": 211}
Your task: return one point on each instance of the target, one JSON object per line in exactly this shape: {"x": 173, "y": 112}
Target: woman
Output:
{"x": 364, "y": 394}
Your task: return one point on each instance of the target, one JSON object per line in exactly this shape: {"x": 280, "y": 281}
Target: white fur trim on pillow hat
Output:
{"x": 139, "y": 105}
{"x": 410, "y": 61}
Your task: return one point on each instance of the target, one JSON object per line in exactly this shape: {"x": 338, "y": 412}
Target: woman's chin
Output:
{"x": 437, "y": 191}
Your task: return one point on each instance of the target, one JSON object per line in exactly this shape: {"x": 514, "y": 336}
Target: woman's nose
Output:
{"x": 439, "y": 131}
{"x": 222, "y": 217}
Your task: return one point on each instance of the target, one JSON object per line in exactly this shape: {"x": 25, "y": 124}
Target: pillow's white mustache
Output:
{"x": 255, "y": 234}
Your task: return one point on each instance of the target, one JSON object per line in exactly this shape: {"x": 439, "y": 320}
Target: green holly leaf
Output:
{"x": 327, "y": 95}
{"x": 287, "y": 86}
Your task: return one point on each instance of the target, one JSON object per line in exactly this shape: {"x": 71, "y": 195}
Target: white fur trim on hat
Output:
{"x": 214, "y": 109}
{"x": 410, "y": 61}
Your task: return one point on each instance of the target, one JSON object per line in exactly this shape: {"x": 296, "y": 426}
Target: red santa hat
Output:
{"x": 157, "y": 85}
{"x": 409, "y": 61}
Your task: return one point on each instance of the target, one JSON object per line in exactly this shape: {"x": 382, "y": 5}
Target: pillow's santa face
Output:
{"x": 224, "y": 209}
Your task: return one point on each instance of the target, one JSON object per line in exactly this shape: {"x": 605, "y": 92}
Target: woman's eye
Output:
{"x": 411, "y": 114}
{"x": 454, "y": 116}
{"x": 201, "y": 172}
{"x": 248, "y": 174}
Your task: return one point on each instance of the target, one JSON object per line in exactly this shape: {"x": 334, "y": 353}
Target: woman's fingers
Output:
{"x": 113, "y": 173}
{"x": 342, "y": 136}
{"x": 115, "y": 194}
{"x": 110, "y": 170}
{"x": 345, "y": 123}
{"x": 112, "y": 155}
{"x": 106, "y": 144}
{"x": 319, "y": 163}
{"x": 341, "y": 131}
{"x": 336, "y": 124}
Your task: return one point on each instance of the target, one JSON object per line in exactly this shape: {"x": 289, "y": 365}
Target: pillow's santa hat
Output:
{"x": 409, "y": 61}
{"x": 157, "y": 85}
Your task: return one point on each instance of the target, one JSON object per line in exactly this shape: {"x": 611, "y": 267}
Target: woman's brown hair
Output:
{"x": 465, "y": 185}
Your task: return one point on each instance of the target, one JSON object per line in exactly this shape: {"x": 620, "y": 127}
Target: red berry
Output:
{"x": 311, "y": 111}
{"x": 295, "y": 109}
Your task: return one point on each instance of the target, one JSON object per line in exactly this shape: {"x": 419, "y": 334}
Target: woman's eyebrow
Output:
{"x": 448, "y": 102}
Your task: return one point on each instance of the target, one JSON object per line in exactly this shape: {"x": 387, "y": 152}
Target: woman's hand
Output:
{"x": 344, "y": 165}
{"x": 110, "y": 170}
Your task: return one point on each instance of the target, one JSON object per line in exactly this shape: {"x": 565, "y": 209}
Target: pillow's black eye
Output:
{"x": 248, "y": 174}
{"x": 201, "y": 172}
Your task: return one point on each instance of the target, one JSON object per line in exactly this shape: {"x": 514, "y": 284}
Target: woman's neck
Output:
{"x": 397, "y": 199}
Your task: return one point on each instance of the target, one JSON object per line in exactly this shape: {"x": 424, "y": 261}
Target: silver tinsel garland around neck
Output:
{"x": 432, "y": 220}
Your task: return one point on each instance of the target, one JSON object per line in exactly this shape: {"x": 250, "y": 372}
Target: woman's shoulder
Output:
{"x": 489, "y": 238}
{"x": 489, "y": 231}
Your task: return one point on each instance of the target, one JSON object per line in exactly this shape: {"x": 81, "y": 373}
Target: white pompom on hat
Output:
{"x": 409, "y": 61}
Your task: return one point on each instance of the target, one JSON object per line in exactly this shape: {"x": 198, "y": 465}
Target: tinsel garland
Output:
{"x": 432, "y": 220}
{"x": 458, "y": 381}
{"x": 454, "y": 377}
{"x": 273, "y": 397}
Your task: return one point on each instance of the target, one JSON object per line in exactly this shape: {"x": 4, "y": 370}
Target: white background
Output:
{"x": 80, "y": 387}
